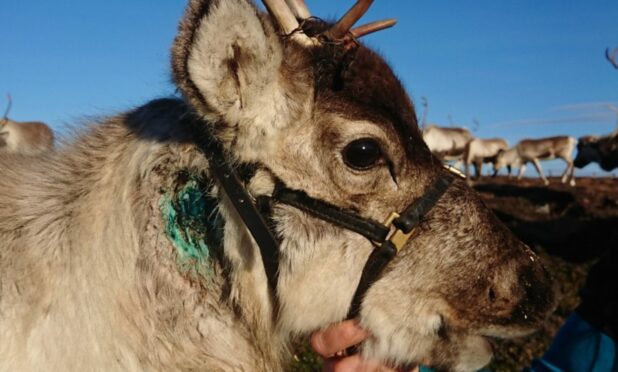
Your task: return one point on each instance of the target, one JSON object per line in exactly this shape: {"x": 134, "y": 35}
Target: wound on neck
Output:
{"x": 192, "y": 223}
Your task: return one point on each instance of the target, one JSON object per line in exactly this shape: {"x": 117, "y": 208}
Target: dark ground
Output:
{"x": 568, "y": 226}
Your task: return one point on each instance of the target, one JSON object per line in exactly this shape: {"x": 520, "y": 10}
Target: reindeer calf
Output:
{"x": 131, "y": 249}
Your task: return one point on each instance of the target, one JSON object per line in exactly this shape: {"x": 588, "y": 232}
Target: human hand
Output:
{"x": 331, "y": 342}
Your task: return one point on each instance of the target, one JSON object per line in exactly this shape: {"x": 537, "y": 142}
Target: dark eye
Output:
{"x": 362, "y": 154}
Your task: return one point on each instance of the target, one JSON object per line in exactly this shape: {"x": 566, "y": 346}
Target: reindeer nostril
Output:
{"x": 442, "y": 331}
{"x": 492, "y": 294}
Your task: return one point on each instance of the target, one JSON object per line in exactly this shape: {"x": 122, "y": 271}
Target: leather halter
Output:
{"x": 388, "y": 237}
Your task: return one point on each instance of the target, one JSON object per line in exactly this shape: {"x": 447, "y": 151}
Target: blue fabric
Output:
{"x": 578, "y": 347}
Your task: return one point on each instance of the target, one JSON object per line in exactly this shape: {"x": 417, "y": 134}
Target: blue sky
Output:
{"x": 522, "y": 68}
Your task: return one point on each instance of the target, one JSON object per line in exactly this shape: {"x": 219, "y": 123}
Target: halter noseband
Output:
{"x": 388, "y": 237}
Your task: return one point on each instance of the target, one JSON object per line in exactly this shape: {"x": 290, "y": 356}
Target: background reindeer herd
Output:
{"x": 459, "y": 145}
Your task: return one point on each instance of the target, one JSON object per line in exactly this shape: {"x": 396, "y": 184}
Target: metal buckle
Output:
{"x": 396, "y": 236}
{"x": 455, "y": 171}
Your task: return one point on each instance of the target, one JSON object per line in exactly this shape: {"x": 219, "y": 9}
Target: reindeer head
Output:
{"x": 602, "y": 150}
{"x": 314, "y": 109}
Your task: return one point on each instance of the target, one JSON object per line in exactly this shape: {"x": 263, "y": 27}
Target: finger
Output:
{"x": 337, "y": 337}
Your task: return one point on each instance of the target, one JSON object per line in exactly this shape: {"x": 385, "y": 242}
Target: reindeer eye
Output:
{"x": 362, "y": 154}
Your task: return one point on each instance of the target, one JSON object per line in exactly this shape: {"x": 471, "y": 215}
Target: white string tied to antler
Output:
{"x": 287, "y": 14}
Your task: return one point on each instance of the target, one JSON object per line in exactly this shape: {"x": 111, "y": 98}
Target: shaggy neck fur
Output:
{"x": 148, "y": 311}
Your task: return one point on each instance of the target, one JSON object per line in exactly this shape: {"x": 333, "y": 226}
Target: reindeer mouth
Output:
{"x": 505, "y": 332}
{"x": 490, "y": 332}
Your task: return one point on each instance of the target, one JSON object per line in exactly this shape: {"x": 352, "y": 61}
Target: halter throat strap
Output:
{"x": 252, "y": 218}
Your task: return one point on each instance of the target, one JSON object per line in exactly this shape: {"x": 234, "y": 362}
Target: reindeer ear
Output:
{"x": 226, "y": 61}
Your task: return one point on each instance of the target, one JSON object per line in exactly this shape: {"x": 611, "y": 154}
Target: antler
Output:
{"x": 611, "y": 57}
{"x": 343, "y": 25}
{"x": 372, "y": 27}
{"x": 288, "y": 12}
{"x": 342, "y": 30}
{"x": 8, "y": 108}
{"x": 287, "y": 21}
{"x": 299, "y": 8}
{"x": 282, "y": 14}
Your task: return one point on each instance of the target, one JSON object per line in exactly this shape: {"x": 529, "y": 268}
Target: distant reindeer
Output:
{"x": 26, "y": 138}
{"x": 508, "y": 158}
{"x": 447, "y": 143}
{"x": 599, "y": 149}
{"x": 482, "y": 150}
{"x": 534, "y": 150}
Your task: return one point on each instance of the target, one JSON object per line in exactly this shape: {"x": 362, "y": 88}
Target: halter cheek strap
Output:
{"x": 388, "y": 237}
